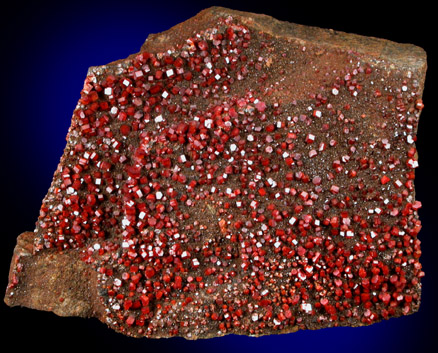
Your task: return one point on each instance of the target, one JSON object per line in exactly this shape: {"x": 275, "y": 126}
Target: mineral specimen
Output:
{"x": 238, "y": 175}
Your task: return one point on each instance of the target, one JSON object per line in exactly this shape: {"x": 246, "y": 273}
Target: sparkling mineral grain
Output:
{"x": 238, "y": 175}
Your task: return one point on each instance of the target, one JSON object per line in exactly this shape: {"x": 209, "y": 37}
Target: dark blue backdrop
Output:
{"x": 46, "y": 51}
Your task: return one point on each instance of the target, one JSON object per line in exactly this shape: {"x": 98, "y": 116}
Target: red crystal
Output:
{"x": 384, "y": 180}
{"x": 125, "y": 129}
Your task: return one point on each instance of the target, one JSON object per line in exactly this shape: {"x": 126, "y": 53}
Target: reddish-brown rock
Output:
{"x": 238, "y": 175}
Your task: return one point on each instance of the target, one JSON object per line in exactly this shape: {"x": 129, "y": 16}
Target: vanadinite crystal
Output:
{"x": 238, "y": 175}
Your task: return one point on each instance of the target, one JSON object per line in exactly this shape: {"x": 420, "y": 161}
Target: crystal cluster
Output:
{"x": 241, "y": 182}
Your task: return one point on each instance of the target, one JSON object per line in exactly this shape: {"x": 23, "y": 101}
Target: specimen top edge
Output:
{"x": 405, "y": 54}
{"x": 379, "y": 51}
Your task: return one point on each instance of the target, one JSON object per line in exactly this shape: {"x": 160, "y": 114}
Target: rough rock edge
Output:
{"x": 52, "y": 281}
{"x": 61, "y": 282}
{"x": 401, "y": 56}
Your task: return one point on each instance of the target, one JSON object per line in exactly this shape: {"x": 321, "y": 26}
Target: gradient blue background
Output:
{"x": 46, "y": 50}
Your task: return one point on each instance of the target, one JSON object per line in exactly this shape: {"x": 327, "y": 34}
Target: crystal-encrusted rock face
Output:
{"x": 238, "y": 175}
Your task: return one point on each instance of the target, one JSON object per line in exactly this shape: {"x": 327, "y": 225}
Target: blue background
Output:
{"x": 47, "y": 48}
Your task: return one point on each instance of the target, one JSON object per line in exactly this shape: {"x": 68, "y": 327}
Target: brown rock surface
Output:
{"x": 335, "y": 117}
